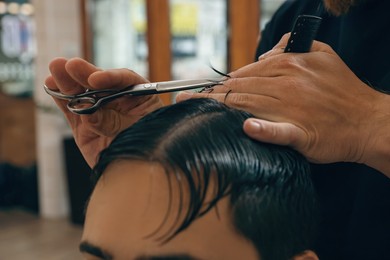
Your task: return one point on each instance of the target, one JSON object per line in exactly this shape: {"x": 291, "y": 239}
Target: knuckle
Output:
{"x": 238, "y": 100}
{"x": 232, "y": 83}
{"x": 292, "y": 83}
{"x": 287, "y": 62}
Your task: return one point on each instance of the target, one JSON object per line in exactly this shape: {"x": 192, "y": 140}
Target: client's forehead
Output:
{"x": 135, "y": 205}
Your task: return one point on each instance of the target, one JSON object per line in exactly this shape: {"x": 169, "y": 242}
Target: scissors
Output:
{"x": 91, "y": 100}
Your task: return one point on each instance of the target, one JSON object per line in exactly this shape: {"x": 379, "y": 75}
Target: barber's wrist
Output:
{"x": 377, "y": 152}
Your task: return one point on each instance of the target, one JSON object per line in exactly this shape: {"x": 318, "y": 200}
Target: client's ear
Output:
{"x": 306, "y": 255}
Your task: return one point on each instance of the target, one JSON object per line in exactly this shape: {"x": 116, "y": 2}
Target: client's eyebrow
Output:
{"x": 86, "y": 247}
{"x": 168, "y": 257}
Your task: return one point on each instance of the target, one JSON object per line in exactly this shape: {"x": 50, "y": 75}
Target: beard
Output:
{"x": 340, "y": 7}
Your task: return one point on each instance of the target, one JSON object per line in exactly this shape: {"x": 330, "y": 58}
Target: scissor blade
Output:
{"x": 186, "y": 84}
{"x": 171, "y": 86}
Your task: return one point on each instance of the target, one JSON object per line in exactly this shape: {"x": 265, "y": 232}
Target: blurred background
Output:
{"x": 44, "y": 181}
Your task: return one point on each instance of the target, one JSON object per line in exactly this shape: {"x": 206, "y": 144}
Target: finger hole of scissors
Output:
{"x": 83, "y": 105}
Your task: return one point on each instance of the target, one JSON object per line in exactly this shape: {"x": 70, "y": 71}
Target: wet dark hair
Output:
{"x": 272, "y": 197}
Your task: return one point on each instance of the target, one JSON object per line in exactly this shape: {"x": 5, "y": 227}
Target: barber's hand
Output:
{"x": 94, "y": 132}
{"x": 312, "y": 102}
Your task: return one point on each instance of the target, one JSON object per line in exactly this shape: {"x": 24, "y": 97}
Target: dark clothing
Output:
{"x": 355, "y": 199}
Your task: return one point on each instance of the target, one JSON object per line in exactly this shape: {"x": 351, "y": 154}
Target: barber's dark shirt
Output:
{"x": 355, "y": 199}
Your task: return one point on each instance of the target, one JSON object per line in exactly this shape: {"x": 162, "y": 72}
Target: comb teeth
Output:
{"x": 303, "y": 33}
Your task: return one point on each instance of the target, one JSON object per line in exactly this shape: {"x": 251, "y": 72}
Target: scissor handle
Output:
{"x": 83, "y": 105}
{"x": 87, "y": 93}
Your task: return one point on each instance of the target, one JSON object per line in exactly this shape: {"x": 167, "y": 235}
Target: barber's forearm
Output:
{"x": 377, "y": 154}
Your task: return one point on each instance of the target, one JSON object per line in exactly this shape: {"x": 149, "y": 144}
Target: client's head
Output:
{"x": 185, "y": 182}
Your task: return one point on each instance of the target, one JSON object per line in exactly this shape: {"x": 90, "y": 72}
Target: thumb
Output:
{"x": 277, "y": 49}
{"x": 275, "y": 133}
{"x": 283, "y": 41}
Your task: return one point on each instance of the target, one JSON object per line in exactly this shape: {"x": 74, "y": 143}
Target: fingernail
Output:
{"x": 206, "y": 90}
{"x": 254, "y": 125}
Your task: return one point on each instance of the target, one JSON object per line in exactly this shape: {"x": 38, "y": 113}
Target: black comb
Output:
{"x": 303, "y": 33}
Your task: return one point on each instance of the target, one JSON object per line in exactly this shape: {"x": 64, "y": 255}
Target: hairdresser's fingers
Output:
{"x": 283, "y": 41}
{"x": 70, "y": 77}
{"x": 270, "y": 108}
{"x": 238, "y": 92}
{"x": 64, "y": 82}
{"x": 254, "y": 85}
{"x": 271, "y": 132}
{"x": 274, "y": 66}
{"x": 121, "y": 113}
{"x": 271, "y": 67}
{"x": 287, "y": 64}
{"x": 59, "y": 81}
{"x": 249, "y": 85}
{"x": 277, "y": 49}
{"x": 270, "y": 53}
{"x": 119, "y": 79}
{"x": 276, "y": 133}
{"x": 80, "y": 70}
{"x": 114, "y": 78}
{"x": 185, "y": 95}
{"x": 318, "y": 46}
{"x": 62, "y": 104}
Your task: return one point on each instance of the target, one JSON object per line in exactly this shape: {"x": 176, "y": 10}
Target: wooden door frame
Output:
{"x": 86, "y": 32}
{"x": 244, "y": 24}
{"x": 159, "y": 43}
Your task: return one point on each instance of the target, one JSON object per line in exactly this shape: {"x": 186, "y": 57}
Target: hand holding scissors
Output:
{"x": 94, "y": 132}
{"x": 91, "y": 100}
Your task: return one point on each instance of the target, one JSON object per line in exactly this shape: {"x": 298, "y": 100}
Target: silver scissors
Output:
{"x": 91, "y": 100}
